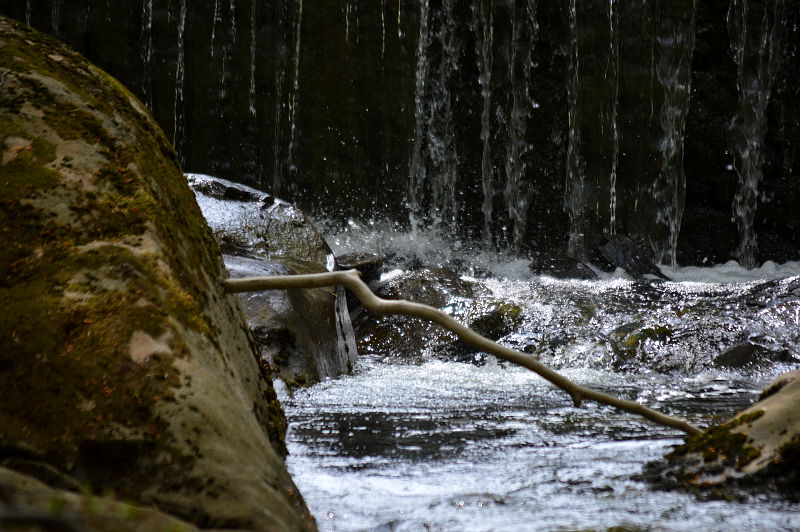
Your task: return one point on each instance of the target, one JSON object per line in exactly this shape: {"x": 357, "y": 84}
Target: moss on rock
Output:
{"x": 758, "y": 449}
{"x": 123, "y": 364}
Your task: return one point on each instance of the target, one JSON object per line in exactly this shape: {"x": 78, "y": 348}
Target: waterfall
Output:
{"x": 416, "y": 167}
{"x": 576, "y": 173}
{"x": 295, "y": 94}
{"x": 28, "y": 9}
{"x": 252, "y": 92}
{"x": 613, "y": 66}
{"x": 177, "y": 131}
{"x": 675, "y": 39}
{"x": 756, "y": 31}
{"x": 55, "y": 16}
{"x": 483, "y": 27}
{"x": 516, "y": 193}
{"x": 146, "y": 36}
{"x": 214, "y": 25}
{"x": 399, "y": 16}
{"x": 383, "y": 29}
{"x": 434, "y": 164}
{"x": 347, "y": 10}
{"x": 278, "y": 171}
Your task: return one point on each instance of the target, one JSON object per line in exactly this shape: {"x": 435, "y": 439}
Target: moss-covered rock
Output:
{"x": 28, "y": 504}
{"x": 124, "y": 367}
{"x": 759, "y": 447}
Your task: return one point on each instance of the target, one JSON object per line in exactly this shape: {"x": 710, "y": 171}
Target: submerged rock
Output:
{"x": 304, "y": 335}
{"x": 759, "y": 448}
{"x": 126, "y": 368}
{"x": 409, "y": 338}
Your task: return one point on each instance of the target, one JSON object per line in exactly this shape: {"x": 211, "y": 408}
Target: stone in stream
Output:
{"x": 407, "y": 338}
{"x": 757, "y": 449}
{"x": 126, "y": 368}
{"x": 304, "y": 335}
{"x": 751, "y": 356}
{"x": 622, "y": 252}
{"x": 561, "y": 266}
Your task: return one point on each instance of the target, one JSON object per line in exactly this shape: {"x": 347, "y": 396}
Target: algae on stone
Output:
{"x": 757, "y": 447}
{"x": 125, "y": 367}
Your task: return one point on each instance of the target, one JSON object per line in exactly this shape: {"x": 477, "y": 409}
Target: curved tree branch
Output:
{"x": 352, "y": 280}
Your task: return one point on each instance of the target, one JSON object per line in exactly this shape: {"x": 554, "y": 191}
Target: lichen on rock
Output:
{"x": 125, "y": 366}
{"x": 757, "y": 448}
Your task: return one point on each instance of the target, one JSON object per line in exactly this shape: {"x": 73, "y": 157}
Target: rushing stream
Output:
{"x": 442, "y": 445}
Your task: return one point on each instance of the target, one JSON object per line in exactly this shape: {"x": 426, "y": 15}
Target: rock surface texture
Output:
{"x": 305, "y": 336}
{"x": 414, "y": 339}
{"x": 760, "y": 445}
{"x": 125, "y": 368}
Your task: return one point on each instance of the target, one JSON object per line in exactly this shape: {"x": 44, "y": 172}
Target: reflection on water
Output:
{"x": 449, "y": 446}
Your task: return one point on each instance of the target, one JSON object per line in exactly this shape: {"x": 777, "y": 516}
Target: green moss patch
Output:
{"x": 720, "y": 445}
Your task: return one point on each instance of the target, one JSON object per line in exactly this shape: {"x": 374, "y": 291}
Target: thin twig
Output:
{"x": 352, "y": 280}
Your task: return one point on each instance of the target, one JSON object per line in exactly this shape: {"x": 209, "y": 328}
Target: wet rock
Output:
{"x": 302, "y": 334}
{"x": 561, "y": 266}
{"x": 622, "y": 252}
{"x": 757, "y": 450}
{"x": 409, "y": 338}
{"x": 28, "y": 504}
{"x": 750, "y": 356}
{"x": 126, "y": 367}
{"x": 369, "y": 264}
{"x": 247, "y": 221}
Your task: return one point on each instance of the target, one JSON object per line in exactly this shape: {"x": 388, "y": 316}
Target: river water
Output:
{"x": 444, "y": 445}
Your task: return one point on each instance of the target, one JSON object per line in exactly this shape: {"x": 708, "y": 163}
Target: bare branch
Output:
{"x": 352, "y": 280}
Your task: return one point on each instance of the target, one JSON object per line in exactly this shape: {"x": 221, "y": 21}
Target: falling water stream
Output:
{"x": 756, "y": 30}
{"x": 574, "y": 202}
{"x": 675, "y": 44}
{"x": 516, "y": 193}
{"x": 483, "y": 27}
{"x": 147, "y": 52}
{"x": 180, "y": 71}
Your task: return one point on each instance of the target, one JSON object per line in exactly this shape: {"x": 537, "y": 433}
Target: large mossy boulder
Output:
{"x": 124, "y": 367}
{"x": 758, "y": 448}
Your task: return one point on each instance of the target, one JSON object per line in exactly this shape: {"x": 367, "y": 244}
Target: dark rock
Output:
{"x": 248, "y": 222}
{"x": 303, "y": 334}
{"x": 561, "y": 266}
{"x": 407, "y": 338}
{"x": 750, "y": 355}
{"x": 28, "y": 504}
{"x": 111, "y": 289}
{"x": 369, "y": 265}
{"x": 622, "y": 252}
